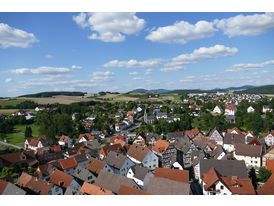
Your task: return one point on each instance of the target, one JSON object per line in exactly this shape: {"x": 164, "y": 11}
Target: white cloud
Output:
{"x": 81, "y": 20}
{"x": 110, "y": 26}
{"x": 172, "y": 68}
{"x": 185, "y": 80}
{"x": 48, "y": 56}
{"x": 8, "y": 80}
{"x": 76, "y": 67}
{"x": 148, "y": 71}
{"x": 133, "y": 63}
{"x": 102, "y": 76}
{"x": 204, "y": 53}
{"x": 138, "y": 78}
{"x": 248, "y": 25}
{"x": 190, "y": 77}
{"x": 12, "y": 37}
{"x": 248, "y": 67}
{"x": 133, "y": 73}
{"x": 42, "y": 70}
{"x": 182, "y": 32}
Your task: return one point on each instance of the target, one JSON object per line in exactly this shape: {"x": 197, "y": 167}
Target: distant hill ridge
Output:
{"x": 51, "y": 94}
{"x": 267, "y": 89}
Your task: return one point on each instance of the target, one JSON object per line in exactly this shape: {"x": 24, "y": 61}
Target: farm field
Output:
{"x": 10, "y": 102}
{"x": 14, "y": 138}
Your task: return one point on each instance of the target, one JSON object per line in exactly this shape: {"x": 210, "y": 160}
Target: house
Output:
{"x": 65, "y": 140}
{"x": 216, "y": 136}
{"x": 89, "y": 189}
{"x": 251, "y": 154}
{"x": 119, "y": 126}
{"x": 215, "y": 184}
{"x": 7, "y": 188}
{"x": 140, "y": 175}
{"x": 95, "y": 166}
{"x": 49, "y": 153}
{"x": 151, "y": 138}
{"x": 37, "y": 142}
{"x": 226, "y": 168}
{"x": 140, "y": 139}
{"x": 166, "y": 153}
{"x": 218, "y": 153}
{"x": 112, "y": 182}
{"x": 230, "y": 110}
{"x": 125, "y": 190}
{"x": 29, "y": 115}
{"x": 118, "y": 163}
{"x": 191, "y": 134}
{"x": 161, "y": 115}
{"x": 63, "y": 180}
{"x": 267, "y": 109}
{"x": 249, "y": 136}
{"x": 35, "y": 186}
{"x": 172, "y": 174}
{"x": 234, "y": 130}
{"x": 269, "y": 155}
{"x": 217, "y": 110}
{"x": 119, "y": 137}
{"x": 26, "y": 158}
{"x": 83, "y": 175}
{"x": 37, "y": 109}
{"x": 85, "y": 138}
{"x": 43, "y": 171}
{"x": 142, "y": 155}
{"x": 68, "y": 165}
{"x": 269, "y": 138}
{"x": 164, "y": 186}
{"x": 250, "y": 109}
{"x": 230, "y": 139}
{"x": 106, "y": 149}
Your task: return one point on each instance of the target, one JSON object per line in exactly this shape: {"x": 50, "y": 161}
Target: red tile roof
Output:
{"x": 106, "y": 149}
{"x": 138, "y": 152}
{"x": 3, "y": 185}
{"x": 125, "y": 190}
{"x": 64, "y": 138}
{"x": 270, "y": 165}
{"x": 88, "y": 137}
{"x": 94, "y": 190}
{"x": 241, "y": 186}
{"x": 60, "y": 178}
{"x": 161, "y": 146}
{"x": 69, "y": 163}
{"x": 210, "y": 178}
{"x": 95, "y": 165}
{"x": 230, "y": 107}
{"x": 194, "y": 131}
{"x": 172, "y": 174}
{"x": 267, "y": 188}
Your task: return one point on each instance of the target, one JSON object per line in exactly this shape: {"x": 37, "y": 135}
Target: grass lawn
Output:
{"x": 22, "y": 128}
{"x": 11, "y": 102}
{"x": 15, "y": 138}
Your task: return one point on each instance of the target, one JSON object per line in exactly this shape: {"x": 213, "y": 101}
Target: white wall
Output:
{"x": 249, "y": 161}
{"x": 229, "y": 147}
{"x": 151, "y": 161}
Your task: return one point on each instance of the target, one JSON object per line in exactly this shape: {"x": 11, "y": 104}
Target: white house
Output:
{"x": 217, "y": 110}
{"x": 216, "y": 136}
{"x": 37, "y": 109}
{"x": 118, "y": 163}
{"x": 230, "y": 110}
{"x": 161, "y": 115}
{"x": 267, "y": 109}
{"x": 142, "y": 155}
{"x": 269, "y": 138}
{"x": 139, "y": 109}
{"x": 35, "y": 142}
{"x": 65, "y": 140}
{"x": 251, "y": 154}
{"x": 139, "y": 174}
{"x": 250, "y": 109}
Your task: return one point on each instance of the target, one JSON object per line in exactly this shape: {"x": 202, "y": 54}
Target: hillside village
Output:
{"x": 203, "y": 144}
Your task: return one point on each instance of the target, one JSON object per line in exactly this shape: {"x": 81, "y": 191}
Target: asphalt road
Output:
{"x": 11, "y": 145}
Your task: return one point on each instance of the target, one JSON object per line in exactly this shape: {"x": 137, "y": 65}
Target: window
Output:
{"x": 222, "y": 187}
{"x": 256, "y": 162}
{"x": 251, "y": 161}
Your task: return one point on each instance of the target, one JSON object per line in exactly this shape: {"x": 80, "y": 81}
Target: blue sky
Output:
{"x": 95, "y": 52}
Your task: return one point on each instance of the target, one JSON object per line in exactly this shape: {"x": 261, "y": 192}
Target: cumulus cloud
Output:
{"x": 8, "y": 80}
{"x": 102, "y": 76}
{"x": 185, "y": 80}
{"x": 42, "y": 70}
{"x": 148, "y": 71}
{"x": 182, "y": 32}
{"x": 110, "y": 26}
{"x": 133, "y": 63}
{"x": 12, "y": 37}
{"x": 248, "y": 67}
{"x": 133, "y": 73}
{"x": 204, "y": 53}
{"x": 247, "y": 25}
{"x": 76, "y": 67}
{"x": 138, "y": 78}
{"x": 81, "y": 20}
{"x": 172, "y": 68}
{"x": 48, "y": 56}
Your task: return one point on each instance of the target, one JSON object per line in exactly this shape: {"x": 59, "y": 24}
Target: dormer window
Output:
{"x": 236, "y": 185}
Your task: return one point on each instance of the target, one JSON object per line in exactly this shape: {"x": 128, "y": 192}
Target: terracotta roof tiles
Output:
{"x": 172, "y": 174}
{"x": 125, "y": 190}
{"x": 60, "y": 178}
{"x": 94, "y": 190}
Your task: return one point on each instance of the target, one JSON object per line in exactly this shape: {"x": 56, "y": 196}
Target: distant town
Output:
{"x": 137, "y": 143}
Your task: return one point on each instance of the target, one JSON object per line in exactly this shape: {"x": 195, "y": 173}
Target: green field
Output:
{"x": 14, "y": 138}
{"x": 22, "y": 128}
{"x": 11, "y": 102}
